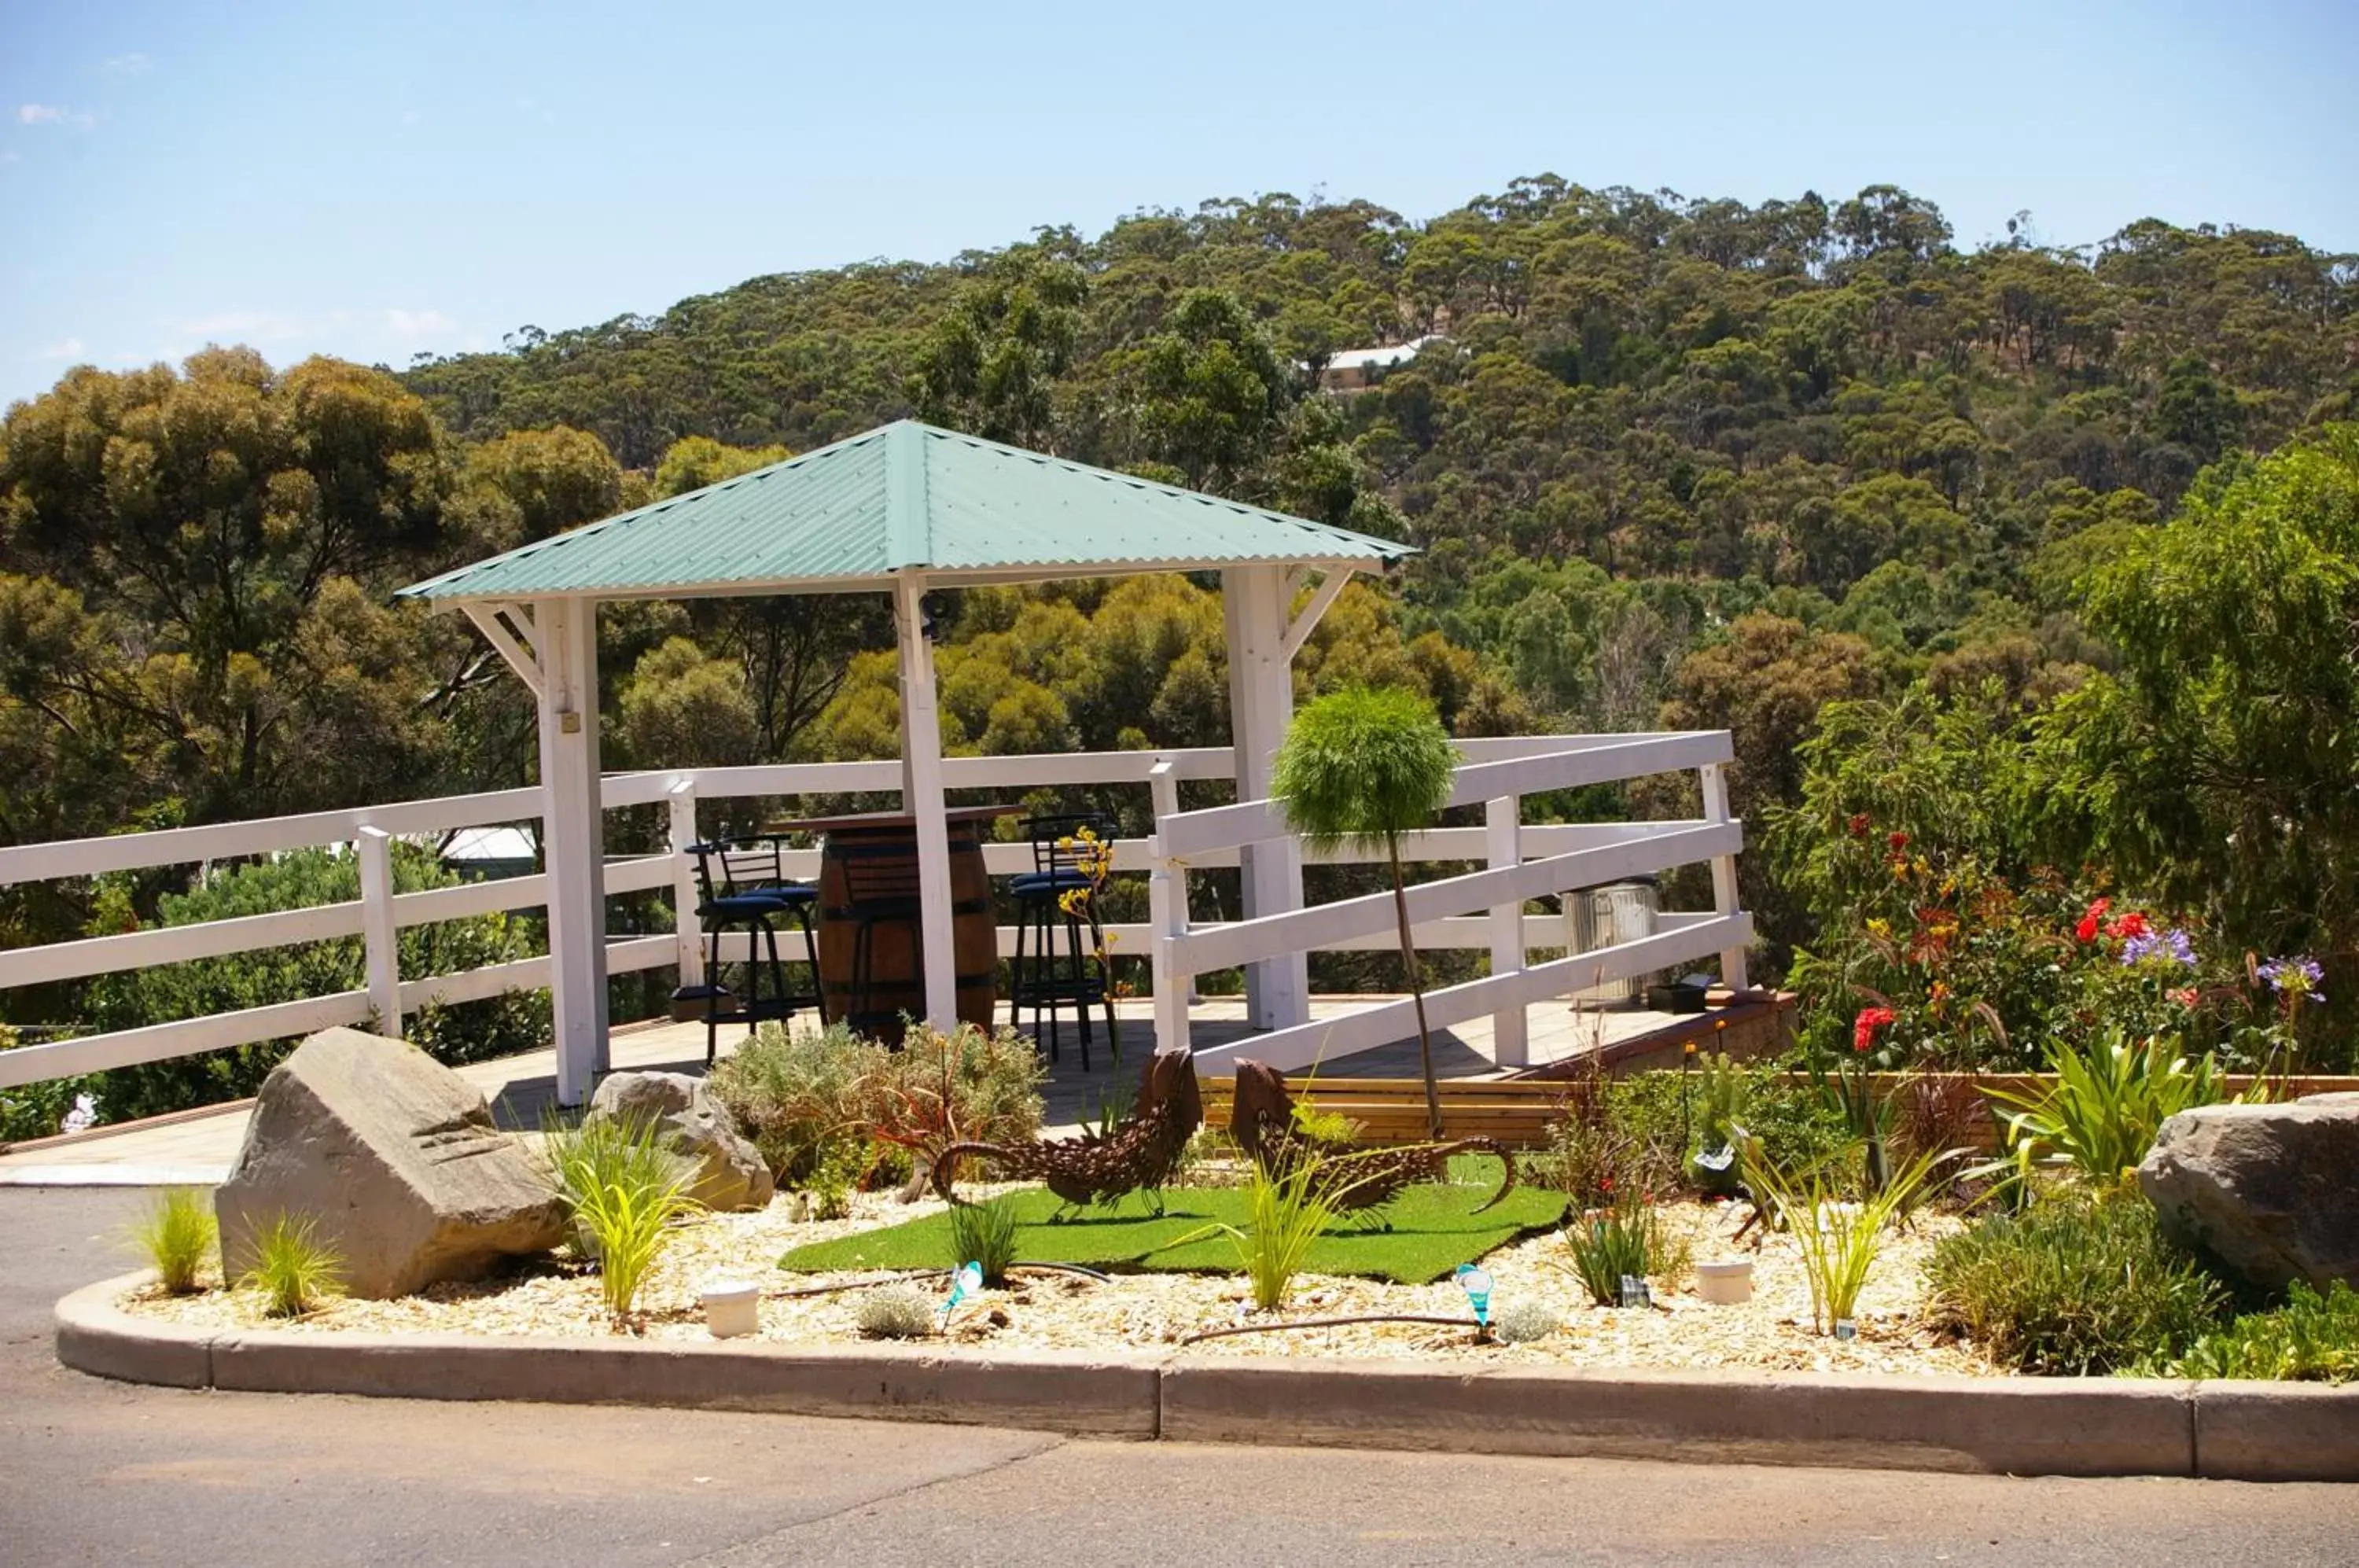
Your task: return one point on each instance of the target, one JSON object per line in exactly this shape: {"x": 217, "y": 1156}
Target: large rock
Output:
{"x": 2272, "y": 1190}
{"x": 395, "y": 1159}
{"x": 730, "y": 1171}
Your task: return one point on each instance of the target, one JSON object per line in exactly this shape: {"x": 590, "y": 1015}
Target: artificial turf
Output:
{"x": 1422, "y": 1234}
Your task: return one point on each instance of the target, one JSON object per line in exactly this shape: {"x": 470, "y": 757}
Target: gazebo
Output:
{"x": 901, "y": 509}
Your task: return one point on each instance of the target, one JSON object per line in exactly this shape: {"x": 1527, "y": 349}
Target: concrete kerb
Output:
{"x": 2094, "y": 1426}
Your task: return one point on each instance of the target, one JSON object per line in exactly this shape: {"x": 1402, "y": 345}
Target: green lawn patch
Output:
{"x": 1431, "y": 1231}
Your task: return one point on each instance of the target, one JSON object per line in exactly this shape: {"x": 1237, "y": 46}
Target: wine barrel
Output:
{"x": 857, "y": 861}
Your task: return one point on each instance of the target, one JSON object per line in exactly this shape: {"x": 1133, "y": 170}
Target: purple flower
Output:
{"x": 2301, "y": 973}
{"x": 2172, "y": 944}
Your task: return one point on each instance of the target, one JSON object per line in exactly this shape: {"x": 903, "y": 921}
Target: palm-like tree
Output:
{"x": 1359, "y": 768}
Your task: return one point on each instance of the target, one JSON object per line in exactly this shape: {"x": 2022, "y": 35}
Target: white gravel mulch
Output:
{"x": 1047, "y": 1311}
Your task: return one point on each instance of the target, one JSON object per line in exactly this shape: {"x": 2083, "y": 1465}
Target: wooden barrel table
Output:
{"x": 881, "y": 849}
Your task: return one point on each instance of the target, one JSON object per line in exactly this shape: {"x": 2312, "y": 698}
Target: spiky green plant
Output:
{"x": 2107, "y": 1103}
{"x": 295, "y": 1271}
{"x": 985, "y": 1233}
{"x": 177, "y": 1233}
{"x": 1621, "y": 1240}
{"x": 1840, "y": 1240}
{"x": 1284, "y": 1214}
{"x": 1358, "y": 768}
{"x": 622, "y": 1190}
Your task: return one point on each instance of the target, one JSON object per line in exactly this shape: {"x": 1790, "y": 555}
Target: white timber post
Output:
{"x": 682, "y": 799}
{"x": 922, "y": 797}
{"x": 380, "y": 933}
{"x": 573, "y": 839}
{"x": 1253, "y": 603}
{"x": 1502, "y": 820}
{"x": 1166, "y": 916}
{"x": 1714, "y": 779}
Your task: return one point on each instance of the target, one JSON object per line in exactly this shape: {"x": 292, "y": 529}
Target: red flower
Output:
{"x": 2087, "y": 930}
{"x": 1896, "y": 841}
{"x": 2135, "y": 923}
{"x": 1859, "y": 825}
{"x": 2186, "y": 995}
{"x": 1864, "y": 1028}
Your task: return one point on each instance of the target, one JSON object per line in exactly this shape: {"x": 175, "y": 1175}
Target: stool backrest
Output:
{"x": 879, "y": 874}
{"x": 726, "y": 867}
{"x": 1054, "y": 839}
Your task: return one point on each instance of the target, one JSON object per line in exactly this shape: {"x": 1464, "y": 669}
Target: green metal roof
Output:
{"x": 904, "y": 496}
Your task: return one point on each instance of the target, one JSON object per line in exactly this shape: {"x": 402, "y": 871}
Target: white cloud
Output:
{"x": 132, "y": 64}
{"x": 53, "y": 115}
{"x": 65, "y": 348}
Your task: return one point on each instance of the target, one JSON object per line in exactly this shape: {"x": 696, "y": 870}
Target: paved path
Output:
{"x": 199, "y": 1148}
{"x": 94, "y": 1472}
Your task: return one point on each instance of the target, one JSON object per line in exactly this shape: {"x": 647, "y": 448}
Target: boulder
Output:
{"x": 730, "y": 1171}
{"x": 2270, "y": 1190}
{"x": 394, "y": 1159}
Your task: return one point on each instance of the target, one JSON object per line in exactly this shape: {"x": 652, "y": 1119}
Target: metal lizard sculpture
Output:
{"x": 1365, "y": 1175}
{"x": 1144, "y": 1151}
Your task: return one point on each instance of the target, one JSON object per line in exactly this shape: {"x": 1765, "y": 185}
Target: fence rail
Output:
{"x": 378, "y": 916}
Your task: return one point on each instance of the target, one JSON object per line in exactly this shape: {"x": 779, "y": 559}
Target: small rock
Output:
{"x": 731, "y": 1173}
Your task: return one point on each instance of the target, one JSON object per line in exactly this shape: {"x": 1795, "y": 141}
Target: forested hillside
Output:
{"x": 1675, "y": 463}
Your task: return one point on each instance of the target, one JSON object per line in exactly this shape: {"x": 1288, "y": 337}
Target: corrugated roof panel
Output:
{"x": 905, "y": 495}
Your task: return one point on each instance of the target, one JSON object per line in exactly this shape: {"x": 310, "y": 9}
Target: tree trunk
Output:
{"x": 1416, "y": 991}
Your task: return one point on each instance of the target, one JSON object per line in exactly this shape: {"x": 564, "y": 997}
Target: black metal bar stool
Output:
{"x": 880, "y": 889}
{"x": 742, "y": 884}
{"x": 1056, "y": 896}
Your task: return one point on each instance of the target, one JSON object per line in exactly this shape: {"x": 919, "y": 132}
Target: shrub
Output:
{"x": 621, "y": 1189}
{"x": 467, "y": 1031}
{"x": 1524, "y": 1321}
{"x": 1609, "y": 1243}
{"x": 295, "y": 1271}
{"x": 2312, "y": 1337}
{"x": 2073, "y": 1285}
{"x": 1641, "y": 1133}
{"x": 895, "y": 1312}
{"x": 807, "y": 1096}
{"x": 984, "y": 1234}
{"x": 1840, "y": 1240}
{"x": 176, "y": 1234}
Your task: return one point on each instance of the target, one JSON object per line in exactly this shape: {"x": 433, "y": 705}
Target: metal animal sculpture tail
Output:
{"x": 1365, "y": 1176}
{"x": 1144, "y": 1151}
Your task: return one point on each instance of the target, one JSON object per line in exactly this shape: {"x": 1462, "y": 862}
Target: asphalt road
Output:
{"x": 99, "y": 1473}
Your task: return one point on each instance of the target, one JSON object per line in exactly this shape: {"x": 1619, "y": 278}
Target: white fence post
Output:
{"x": 1510, "y": 1030}
{"x": 380, "y": 933}
{"x": 1166, "y": 916}
{"x": 1714, "y": 779}
{"x": 682, "y": 799}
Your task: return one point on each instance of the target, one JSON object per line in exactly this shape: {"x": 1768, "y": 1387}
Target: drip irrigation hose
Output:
{"x": 1066, "y": 1268}
{"x": 1332, "y": 1323}
{"x": 927, "y": 1274}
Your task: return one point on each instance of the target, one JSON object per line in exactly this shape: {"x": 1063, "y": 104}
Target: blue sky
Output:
{"x": 374, "y": 181}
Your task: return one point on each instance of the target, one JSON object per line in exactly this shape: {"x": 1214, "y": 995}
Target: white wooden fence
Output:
{"x": 1498, "y": 770}
{"x": 1567, "y": 858}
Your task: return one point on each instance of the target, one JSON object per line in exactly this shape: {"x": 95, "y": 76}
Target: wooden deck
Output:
{"x": 197, "y": 1147}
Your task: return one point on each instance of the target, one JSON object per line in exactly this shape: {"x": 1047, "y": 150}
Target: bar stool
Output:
{"x": 1044, "y": 977}
{"x": 742, "y": 884}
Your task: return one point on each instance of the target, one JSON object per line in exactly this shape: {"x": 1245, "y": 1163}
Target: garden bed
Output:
{"x": 1141, "y": 1311}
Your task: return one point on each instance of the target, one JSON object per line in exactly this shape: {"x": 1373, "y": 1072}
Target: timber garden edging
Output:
{"x": 2060, "y": 1426}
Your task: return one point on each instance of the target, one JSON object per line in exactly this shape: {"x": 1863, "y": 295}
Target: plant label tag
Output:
{"x": 1635, "y": 1292}
{"x": 1847, "y": 1328}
